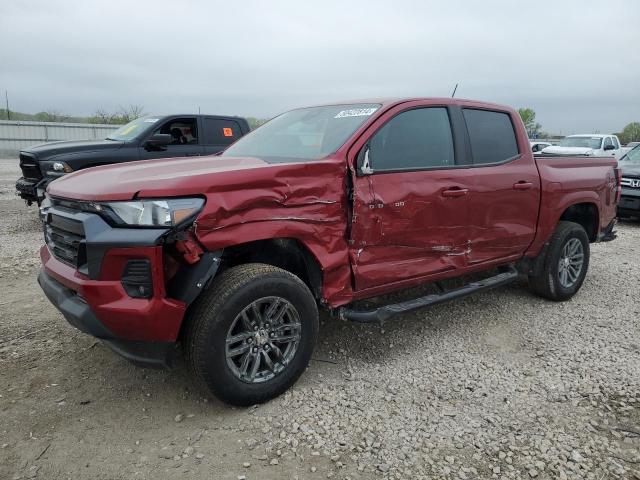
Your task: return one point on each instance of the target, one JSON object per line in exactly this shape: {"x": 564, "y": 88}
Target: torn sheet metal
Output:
{"x": 303, "y": 201}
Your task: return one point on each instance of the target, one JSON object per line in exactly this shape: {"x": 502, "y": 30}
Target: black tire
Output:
{"x": 213, "y": 315}
{"x": 547, "y": 283}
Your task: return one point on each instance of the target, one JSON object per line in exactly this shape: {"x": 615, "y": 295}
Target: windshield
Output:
{"x": 304, "y": 134}
{"x": 632, "y": 156}
{"x": 132, "y": 129}
{"x": 584, "y": 142}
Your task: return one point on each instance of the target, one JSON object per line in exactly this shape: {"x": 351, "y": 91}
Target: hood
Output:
{"x": 629, "y": 169}
{"x": 45, "y": 151}
{"x": 171, "y": 177}
{"x": 555, "y": 150}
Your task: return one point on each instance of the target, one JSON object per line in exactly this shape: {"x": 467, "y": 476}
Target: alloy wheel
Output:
{"x": 570, "y": 263}
{"x": 262, "y": 339}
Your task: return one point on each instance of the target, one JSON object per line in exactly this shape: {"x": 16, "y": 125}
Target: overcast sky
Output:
{"x": 576, "y": 63}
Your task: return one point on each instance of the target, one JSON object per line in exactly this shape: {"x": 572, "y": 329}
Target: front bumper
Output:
{"x": 30, "y": 190}
{"x": 79, "y": 314}
{"x": 155, "y": 319}
{"x": 629, "y": 204}
{"x": 82, "y": 272}
{"x": 86, "y": 275}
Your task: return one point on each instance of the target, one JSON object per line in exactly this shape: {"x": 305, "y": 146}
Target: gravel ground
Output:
{"x": 499, "y": 385}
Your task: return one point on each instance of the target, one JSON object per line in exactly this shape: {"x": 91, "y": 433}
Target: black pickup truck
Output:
{"x": 142, "y": 139}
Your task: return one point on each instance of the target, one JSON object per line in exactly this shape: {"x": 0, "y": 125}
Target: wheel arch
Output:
{"x": 290, "y": 254}
{"x": 585, "y": 214}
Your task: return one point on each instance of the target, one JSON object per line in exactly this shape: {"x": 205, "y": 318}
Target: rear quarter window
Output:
{"x": 492, "y": 137}
{"x": 218, "y": 131}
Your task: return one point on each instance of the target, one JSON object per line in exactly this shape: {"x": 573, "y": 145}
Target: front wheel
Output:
{"x": 565, "y": 265}
{"x": 252, "y": 333}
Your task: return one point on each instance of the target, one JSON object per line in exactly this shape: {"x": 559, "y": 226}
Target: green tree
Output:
{"x": 630, "y": 133}
{"x": 52, "y": 115}
{"x": 528, "y": 116}
{"x": 121, "y": 116}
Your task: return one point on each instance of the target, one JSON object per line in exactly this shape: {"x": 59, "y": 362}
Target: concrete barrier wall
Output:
{"x": 16, "y": 135}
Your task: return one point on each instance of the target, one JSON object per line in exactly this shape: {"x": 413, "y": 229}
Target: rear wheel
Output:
{"x": 565, "y": 265}
{"x": 252, "y": 333}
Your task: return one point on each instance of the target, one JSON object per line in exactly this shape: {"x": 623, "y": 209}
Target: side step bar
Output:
{"x": 381, "y": 314}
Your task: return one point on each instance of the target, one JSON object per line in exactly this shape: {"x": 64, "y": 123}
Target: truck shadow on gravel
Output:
{"x": 472, "y": 317}
{"x": 340, "y": 344}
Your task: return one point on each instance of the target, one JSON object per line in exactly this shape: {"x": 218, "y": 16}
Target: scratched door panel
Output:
{"x": 418, "y": 231}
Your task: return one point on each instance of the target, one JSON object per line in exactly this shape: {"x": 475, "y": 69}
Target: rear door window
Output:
{"x": 220, "y": 131}
{"x": 615, "y": 143}
{"x": 492, "y": 137}
{"x": 415, "y": 139}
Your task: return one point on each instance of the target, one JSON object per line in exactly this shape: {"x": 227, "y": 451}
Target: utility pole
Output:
{"x": 6, "y": 97}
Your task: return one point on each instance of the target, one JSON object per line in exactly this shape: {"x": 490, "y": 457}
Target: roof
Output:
{"x": 392, "y": 101}
{"x": 592, "y": 135}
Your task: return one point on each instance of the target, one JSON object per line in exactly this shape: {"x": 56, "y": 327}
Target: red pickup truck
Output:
{"x": 230, "y": 256}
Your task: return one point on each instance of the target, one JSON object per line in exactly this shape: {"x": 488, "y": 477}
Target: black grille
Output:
{"x": 66, "y": 246}
{"x": 30, "y": 167}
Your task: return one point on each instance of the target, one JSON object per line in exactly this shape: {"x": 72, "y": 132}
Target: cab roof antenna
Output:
{"x": 454, "y": 91}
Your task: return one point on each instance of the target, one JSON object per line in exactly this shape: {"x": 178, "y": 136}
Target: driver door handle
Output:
{"x": 455, "y": 192}
{"x": 522, "y": 185}
{"x": 193, "y": 154}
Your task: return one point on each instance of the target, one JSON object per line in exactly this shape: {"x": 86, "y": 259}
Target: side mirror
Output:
{"x": 364, "y": 161}
{"x": 609, "y": 147}
{"x": 158, "y": 140}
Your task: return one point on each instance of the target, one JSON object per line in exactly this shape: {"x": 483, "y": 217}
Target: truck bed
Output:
{"x": 567, "y": 180}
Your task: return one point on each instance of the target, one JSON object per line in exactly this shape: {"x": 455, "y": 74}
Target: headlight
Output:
{"x": 151, "y": 213}
{"x": 62, "y": 167}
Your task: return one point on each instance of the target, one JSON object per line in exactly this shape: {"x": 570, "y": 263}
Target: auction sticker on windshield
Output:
{"x": 356, "y": 112}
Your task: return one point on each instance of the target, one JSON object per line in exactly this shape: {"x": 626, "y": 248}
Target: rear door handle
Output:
{"x": 455, "y": 192}
{"x": 522, "y": 185}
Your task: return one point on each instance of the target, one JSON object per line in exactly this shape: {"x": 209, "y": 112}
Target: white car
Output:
{"x": 537, "y": 147}
{"x": 591, "y": 145}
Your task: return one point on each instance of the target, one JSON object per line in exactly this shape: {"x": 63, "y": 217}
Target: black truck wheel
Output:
{"x": 251, "y": 334}
{"x": 565, "y": 264}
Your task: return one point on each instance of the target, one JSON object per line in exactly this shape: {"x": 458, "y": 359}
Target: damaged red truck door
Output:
{"x": 412, "y": 210}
